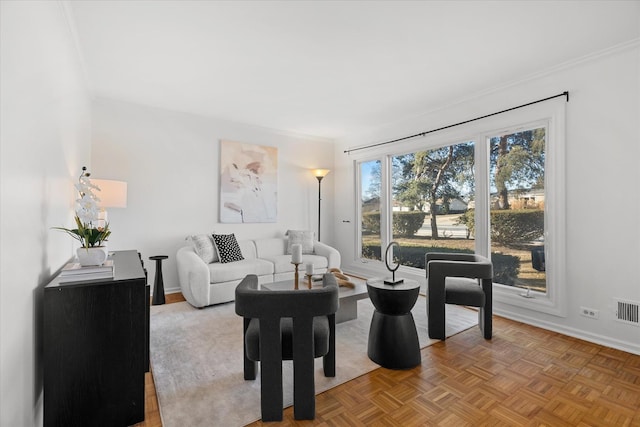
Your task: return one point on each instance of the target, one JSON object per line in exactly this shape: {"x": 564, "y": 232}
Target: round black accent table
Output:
{"x": 158, "y": 285}
{"x": 393, "y": 339}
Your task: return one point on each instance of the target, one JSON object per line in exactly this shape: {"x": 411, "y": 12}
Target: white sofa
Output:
{"x": 204, "y": 284}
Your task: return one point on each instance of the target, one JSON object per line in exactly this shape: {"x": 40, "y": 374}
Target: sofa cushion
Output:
{"x": 228, "y": 248}
{"x": 301, "y": 237}
{"x": 248, "y": 249}
{"x": 237, "y": 270}
{"x": 203, "y": 245}
{"x": 270, "y": 247}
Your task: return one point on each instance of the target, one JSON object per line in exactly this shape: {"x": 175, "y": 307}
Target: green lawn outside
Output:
{"x": 415, "y": 248}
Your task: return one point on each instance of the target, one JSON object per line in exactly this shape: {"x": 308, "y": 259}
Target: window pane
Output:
{"x": 433, "y": 194}
{"x": 370, "y": 190}
{"x": 517, "y": 162}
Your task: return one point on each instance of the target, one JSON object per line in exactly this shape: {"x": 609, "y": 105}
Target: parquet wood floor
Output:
{"x": 524, "y": 376}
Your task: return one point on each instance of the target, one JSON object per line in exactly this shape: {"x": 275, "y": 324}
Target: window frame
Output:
{"x": 550, "y": 114}
{"x": 384, "y": 215}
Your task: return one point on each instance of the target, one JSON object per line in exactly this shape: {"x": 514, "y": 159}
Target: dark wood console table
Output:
{"x": 96, "y": 347}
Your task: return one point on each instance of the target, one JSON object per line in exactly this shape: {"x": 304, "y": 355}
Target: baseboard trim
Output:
{"x": 626, "y": 346}
{"x": 168, "y": 290}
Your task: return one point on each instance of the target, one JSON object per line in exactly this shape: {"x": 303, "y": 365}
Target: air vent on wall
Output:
{"x": 628, "y": 311}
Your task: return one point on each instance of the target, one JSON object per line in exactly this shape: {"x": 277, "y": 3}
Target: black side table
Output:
{"x": 393, "y": 339}
{"x": 158, "y": 284}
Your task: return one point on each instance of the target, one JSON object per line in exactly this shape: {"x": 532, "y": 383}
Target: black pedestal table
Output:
{"x": 158, "y": 285}
{"x": 393, "y": 339}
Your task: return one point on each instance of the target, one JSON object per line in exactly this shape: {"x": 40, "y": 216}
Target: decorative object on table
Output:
{"x": 74, "y": 272}
{"x": 95, "y": 255}
{"x": 393, "y": 279}
{"x": 296, "y": 260}
{"x": 320, "y": 173}
{"x": 158, "y": 284}
{"x": 295, "y": 274}
{"x": 342, "y": 279}
{"x": 348, "y": 297}
{"x": 248, "y": 183}
{"x": 309, "y": 274}
{"x": 296, "y": 253}
{"x": 90, "y": 236}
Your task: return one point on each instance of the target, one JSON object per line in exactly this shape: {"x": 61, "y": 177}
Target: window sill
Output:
{"x": 536, "y": 301}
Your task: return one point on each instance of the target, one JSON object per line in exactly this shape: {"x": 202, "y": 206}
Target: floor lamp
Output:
{"x": 319, "y": 173}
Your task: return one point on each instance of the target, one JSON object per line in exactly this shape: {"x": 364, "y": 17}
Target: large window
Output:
{"x": 496, "y": 193}
{"x": 516, "y": 173}
{"x": 431, "y": 192}
{"x": 370, "y": 178}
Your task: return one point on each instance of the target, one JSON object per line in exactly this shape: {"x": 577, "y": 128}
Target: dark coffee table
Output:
{"x": 348, "y": 296}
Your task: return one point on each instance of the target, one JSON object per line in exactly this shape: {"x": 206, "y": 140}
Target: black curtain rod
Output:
{"x": 566, "y": 94}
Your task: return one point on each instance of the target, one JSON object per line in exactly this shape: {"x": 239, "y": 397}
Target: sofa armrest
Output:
{"x": 194, "y": 277}
{"x": 332, "y": 255}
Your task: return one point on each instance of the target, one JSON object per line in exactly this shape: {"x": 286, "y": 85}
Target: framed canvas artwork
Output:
{"x": 248, "y": 183}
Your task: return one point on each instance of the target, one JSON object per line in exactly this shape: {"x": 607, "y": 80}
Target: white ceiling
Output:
{"x": 332, "y": 68}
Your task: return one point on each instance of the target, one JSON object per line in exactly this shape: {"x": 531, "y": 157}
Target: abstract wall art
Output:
{"x": 248, "y": 183}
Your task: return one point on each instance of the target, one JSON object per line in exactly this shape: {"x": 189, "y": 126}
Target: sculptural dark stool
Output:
{"x": 393, "y": 339}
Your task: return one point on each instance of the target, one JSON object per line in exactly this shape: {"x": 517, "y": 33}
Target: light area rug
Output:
{"x": 196, "y": 359}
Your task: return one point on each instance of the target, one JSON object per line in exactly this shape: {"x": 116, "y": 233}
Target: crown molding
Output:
{"x": 621, "y": 47}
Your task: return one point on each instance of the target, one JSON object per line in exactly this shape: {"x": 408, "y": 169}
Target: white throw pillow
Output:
{"x": 301, "y": 237}
{"x": 203, "y": 245}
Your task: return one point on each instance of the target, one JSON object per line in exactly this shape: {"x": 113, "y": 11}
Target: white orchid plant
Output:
{"x": 87, "y": 214}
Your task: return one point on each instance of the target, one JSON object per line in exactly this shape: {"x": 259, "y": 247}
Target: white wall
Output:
{"x": 44, "y": 134}
{"x": 170, "y": 161}
{"x": 602, "y": 154}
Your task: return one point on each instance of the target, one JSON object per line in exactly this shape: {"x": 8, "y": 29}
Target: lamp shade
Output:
{"x": 112, "y": 194}
{"x": 320, "y": 173}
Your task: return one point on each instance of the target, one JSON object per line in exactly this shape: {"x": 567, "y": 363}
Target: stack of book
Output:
{"x": 74, "y": 272}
